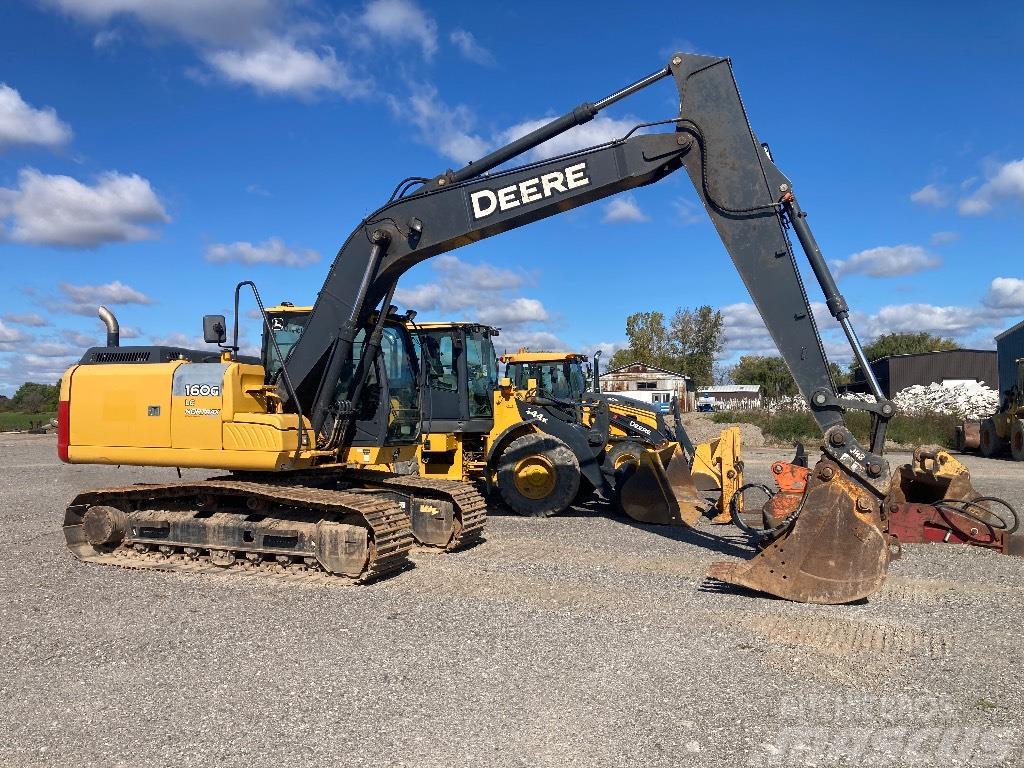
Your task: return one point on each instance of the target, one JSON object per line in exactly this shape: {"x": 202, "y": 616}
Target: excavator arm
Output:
{"x": 844, "y": 554}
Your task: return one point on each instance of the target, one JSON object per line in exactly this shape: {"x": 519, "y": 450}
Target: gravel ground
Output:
{"x": 580, "y": 640}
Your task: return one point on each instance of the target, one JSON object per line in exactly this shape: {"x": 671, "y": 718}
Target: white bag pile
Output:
{"x": 968, "y": 401}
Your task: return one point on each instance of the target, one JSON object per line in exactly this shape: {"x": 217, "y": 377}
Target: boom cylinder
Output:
{"x": 584, "y": 113}
{"x": 833, "y": 298}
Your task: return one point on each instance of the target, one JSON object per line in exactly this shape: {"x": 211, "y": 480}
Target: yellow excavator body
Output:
{"x": 185, "y": 414}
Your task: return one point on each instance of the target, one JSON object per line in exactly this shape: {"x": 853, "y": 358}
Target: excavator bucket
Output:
{"x": 835, "y": 550}
{"x": 660, "y": 490}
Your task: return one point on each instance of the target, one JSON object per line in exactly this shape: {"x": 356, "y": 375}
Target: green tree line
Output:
{"x": 689, "y": 343}
{"x": 32, "y": 398}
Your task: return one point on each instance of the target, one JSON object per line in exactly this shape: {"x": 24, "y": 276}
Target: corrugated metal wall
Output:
{"x": 905, "y": 371}
{"x": 1010, "y": 348}
{"x": 902, "y": 371}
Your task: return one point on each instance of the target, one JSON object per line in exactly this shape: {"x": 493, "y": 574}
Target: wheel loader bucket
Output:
{"x": 660, "y": 490}
{"x": 834, "y": 552}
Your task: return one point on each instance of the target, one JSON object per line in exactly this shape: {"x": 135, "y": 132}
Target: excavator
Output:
{"x": 307, "y": 450}
{"x": 636, "y": 429}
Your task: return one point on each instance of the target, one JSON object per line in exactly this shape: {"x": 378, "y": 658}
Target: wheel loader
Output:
{"x": 634, "y": 427}
{"x": 1003, "y": 431}
{"x": 307, "y": 449}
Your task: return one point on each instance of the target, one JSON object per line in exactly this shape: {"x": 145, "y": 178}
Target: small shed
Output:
{"x": 1009, "y": 349}
{"x": 955, "y": 366}
{"x": 731, "y": 397}
{"x": 649, "y": 384}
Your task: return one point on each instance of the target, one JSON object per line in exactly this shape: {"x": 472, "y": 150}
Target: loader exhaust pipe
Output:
{"x": 113, "y": 329}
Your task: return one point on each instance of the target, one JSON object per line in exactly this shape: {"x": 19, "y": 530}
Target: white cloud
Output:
{"x": 398, "y": 22}
{"x": 23, "y": 124}
{"x": 1006, "y": 182}
{"x": 10, "y": 335}
{"x": 470, "y": 48}
{"x": 514, "y": 339}
{"x": 256, "y": 189}
{"x": 944, "y": 238}
{"x": 460, "y": 286}
{"x": 476, "y": 292}
{"x": 688, "y": 211}
{"x": 30, "y": 319}
{"x": 281, "y": 67}
{"x": 887, "y": 261}
{"x": 514, "y": 312}
{"x": 600, "y": 130}
{"x": 914, "y": 318}
{"x": 16, "y": 369}
{"x": 60, "y": 210}
{"x": 106, "y": 38}
{"x": 86, "y": 299}
{"x": 80, "y": 339}
{"x": 1005, "y": 293}
{"x": 271, "y": 251}
{"x": 744, "y": 332}
{"x": 197, "y": 20}
{"x": 931, "y": 195}
{"x": 623, "y": 208}
{"x": 51, "y": 349}
{"x": 448, "y": 129}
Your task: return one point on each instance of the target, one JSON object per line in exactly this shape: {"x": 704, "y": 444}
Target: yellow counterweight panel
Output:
{"x": 121, "y": 405}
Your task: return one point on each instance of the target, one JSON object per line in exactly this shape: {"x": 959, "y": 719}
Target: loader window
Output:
{"x": 482, "y": 366}
{"x": 437, "y": 352}
{"x": 577, "y": 380}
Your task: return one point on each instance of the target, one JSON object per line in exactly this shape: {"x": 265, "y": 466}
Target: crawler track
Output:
{"x": 289, "y": 531}
{"x": 462, "y": 502}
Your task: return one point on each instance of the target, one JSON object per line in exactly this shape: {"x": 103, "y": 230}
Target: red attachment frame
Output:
{"x": 924, "y": 524}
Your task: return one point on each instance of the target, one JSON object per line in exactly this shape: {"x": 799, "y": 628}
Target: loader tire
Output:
{"x": 1017, "y": 440}
{"x": 538, "y": 475}
{"x": 626, "y": 452}
{"x": 990, "y": 444}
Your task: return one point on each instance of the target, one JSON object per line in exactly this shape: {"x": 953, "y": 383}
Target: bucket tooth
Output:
{"x": 661, "y": 490}
{"x": 833, "y": 553}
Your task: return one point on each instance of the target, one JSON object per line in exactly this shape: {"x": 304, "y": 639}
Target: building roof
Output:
{"x": 723, "y": 388}
{"x": 646, "y": 366}
{"x": 937, "y": 352}
{"x": 1008, "y": 331}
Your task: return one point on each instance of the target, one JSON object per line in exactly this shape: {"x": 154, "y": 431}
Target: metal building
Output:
{"x": 951, "y": 367}
{"x": 1009, "y": 348}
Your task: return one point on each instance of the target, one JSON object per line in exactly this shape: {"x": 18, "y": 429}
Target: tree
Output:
{"x": 696, "y": 339}
{"x": 904, "y": 344}
{"x": 648, "y": 342}
{"x": 35, "y": 398}
{"x": 771, "y": 372}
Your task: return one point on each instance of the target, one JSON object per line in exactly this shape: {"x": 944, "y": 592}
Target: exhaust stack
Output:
{"x": 113, "y": 329}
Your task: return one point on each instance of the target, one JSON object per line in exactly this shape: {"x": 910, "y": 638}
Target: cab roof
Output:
{"x": 528, "y": 356}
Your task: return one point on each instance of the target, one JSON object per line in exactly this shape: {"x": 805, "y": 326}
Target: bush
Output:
{"x": 800, "y": 426}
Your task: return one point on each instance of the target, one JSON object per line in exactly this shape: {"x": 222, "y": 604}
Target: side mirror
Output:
{"x": 215, "y": 329}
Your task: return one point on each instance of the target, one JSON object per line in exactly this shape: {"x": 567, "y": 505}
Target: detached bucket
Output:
{"x": 660, "y": 489}
{"x": 834, "y": 552}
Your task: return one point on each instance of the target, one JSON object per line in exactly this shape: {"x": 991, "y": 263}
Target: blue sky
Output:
{"x": 152, "y": 154}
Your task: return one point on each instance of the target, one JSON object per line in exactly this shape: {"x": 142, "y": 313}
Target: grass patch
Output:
{"x": 800, "y": 426}
{"x": 14, "y": 420}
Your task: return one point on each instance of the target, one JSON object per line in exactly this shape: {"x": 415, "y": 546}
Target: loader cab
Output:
{"x": 559, "y": 375}
{"x": 460, "y": 376}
